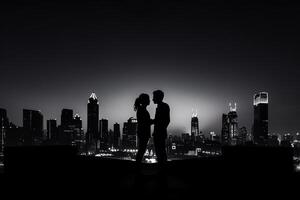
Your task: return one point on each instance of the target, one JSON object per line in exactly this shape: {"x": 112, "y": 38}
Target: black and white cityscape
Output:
{"x": 150, "y": 97}
{"x": 100, "y": 141}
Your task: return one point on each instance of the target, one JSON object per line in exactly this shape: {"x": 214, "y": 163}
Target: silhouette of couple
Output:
{"x": 160, "y": 122}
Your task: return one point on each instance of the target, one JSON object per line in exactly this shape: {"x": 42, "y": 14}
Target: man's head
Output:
{"x": 158, "y": 96}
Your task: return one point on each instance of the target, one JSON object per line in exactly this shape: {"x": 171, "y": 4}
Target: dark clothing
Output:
{"x": 144, "y": 122}
{"x": 160, "y": 149}
{"x": 142, "y": 146}
{"x": 143, "y": 132}
{"x": 161, "y": 122}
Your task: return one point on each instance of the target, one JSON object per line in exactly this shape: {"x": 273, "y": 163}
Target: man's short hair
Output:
{"x": 159, "y": 94}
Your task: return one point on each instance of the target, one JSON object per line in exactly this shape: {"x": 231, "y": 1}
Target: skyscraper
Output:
{"x": 33, "y": 126}
{"x": 66, "y": 117}
{"x": 225, "y": 137}
{"x": 66, "y": 128}
{"x": 194, "y": 127}
{"x": 233, "y": 123}
{"x": 78, "y": 135}
{"x": 229, "y": 133}
{"x": 103, "y": 130}
{"x": 117, "y": 135}
{"x": 3, "y": 127}
{"x": 77, "y": 121}
{"x": 92, "y": 119}
{"x": 103, "y": 127}
{"x": 51, "y": 129}
{"x": 260, "y": 123}
{"x": 242, "y": 136}
{"x": 14, "y": 135}
{"x": 130, "y": 133}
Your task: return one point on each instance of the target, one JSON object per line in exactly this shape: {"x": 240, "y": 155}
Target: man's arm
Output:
{"x": 166, "y": 116}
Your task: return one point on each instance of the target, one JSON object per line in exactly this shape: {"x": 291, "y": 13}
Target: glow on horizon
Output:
{"x": 119, "y": 108}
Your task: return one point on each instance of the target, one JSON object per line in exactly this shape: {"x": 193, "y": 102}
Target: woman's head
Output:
{"x": 142, "y": 101}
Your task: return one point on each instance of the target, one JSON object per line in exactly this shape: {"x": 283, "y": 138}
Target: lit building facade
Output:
{"x": 129, "y": 138}
{"x": 194, "y": 127}
{"x": 92, "y": 119}
{"x": 225, "y": 137}
{"x": 230, "y": 131}
{"x": 3, "y": 128}
{"x": 233, "y": 124}
{"x": 260, "y": 123}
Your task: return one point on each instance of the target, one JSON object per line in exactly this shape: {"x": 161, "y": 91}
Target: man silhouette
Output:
{"x": 161, "y": 122}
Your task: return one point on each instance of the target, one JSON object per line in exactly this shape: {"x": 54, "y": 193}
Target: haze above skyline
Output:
{"x": 203, "y": 56}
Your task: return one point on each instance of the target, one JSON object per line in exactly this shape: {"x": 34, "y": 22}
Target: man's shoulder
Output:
{"x": 165, "y": 106}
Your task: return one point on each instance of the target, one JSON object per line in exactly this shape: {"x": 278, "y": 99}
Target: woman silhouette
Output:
{"x": 144, "y": 125}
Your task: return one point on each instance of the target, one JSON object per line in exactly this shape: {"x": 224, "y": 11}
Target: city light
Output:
{"x": 150, "y": 160}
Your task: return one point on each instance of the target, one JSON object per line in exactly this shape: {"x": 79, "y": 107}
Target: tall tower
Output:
{"x": 230, "y": 131}
{"x": 260, "y": 123}
{"x": 92, "y": 119}
{"x": 117, "y": 135}
{"x": 66, "y": 117}
{"x": 66, "y": 128}
{"x": 225, "y": 137}
{"x": 3, "y": 127}
{"x": 233, "y": 123}
{"x": 78, "y": 135}
{"x": 103, "y": 130}
{"x": 195, "y": 124}
{"x": 33, "y": 126}
{"x": 51, "y": 129}
{"x": 194, "y": 127}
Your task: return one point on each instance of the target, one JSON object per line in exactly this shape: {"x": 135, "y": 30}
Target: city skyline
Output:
{"x": 111, "y": 122}
{"x": 202, "y": 56}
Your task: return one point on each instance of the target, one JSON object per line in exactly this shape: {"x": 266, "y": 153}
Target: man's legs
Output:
{"x": 160, "y": 149}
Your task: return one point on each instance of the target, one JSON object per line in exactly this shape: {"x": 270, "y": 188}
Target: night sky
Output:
{"x": 203, "y": 56}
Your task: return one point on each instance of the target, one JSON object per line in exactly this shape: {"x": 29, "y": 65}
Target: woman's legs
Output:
{"x": 142, "y": 145}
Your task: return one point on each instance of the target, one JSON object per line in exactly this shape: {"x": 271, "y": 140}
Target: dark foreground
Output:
{"x": 57, "y": 171}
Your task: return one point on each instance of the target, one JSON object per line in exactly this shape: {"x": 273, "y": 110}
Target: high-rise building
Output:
{"x": 103, "y": 127}
{"x": 51, "y": 129}
{"x": 66, "y": 129}
{"x": 110, "y": 139}
{"x": 229, "y": 133}
{"x": 103, "y": 130}
{"x": 66, "y": 117}
{"x": 233, "y": 123}
{"x": 92, "y": 119}
{"x": 117, "y": 135}
{"x": 3, "y": 127}
{"x": 77, "y": 121}
{"x": 33, "y": 126}
{"x": 260, "y": 124}
{"x": 78, "y": 135}
{"x": 242, "y": 136}
{"x": 130, "y": 133}
{"x": 194, "y": 127}
{"x": 225, "y": 137}
{"x": 14, "y": 136}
